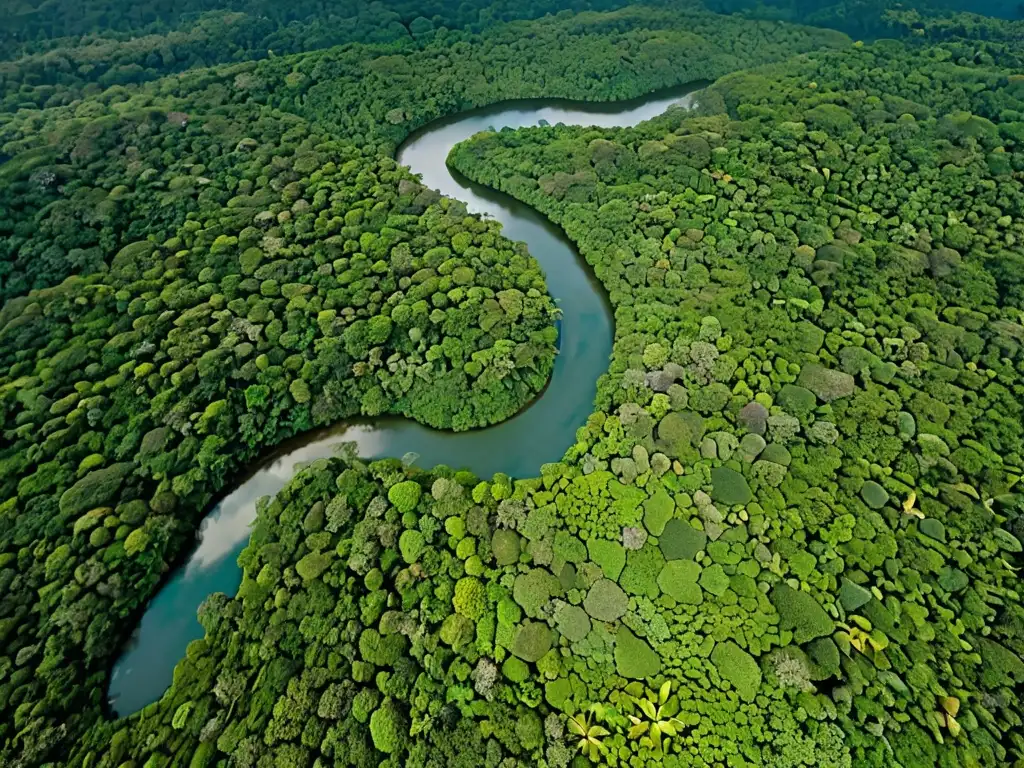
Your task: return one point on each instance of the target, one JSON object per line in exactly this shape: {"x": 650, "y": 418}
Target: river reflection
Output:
{"x": 538, "y": 434}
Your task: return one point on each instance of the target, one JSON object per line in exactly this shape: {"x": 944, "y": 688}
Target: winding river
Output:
{"x": 519, "y": 446}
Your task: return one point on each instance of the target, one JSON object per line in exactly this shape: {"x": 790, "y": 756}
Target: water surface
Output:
{"x": 540, "y": 433}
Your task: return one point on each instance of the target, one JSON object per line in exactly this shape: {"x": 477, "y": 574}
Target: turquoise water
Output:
{"x": 538, "y": 434}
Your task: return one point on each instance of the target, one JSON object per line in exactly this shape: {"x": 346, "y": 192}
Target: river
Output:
{"x": 538, "y": 434}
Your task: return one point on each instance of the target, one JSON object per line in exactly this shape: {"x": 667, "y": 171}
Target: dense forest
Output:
{"x": 788, "y": 535}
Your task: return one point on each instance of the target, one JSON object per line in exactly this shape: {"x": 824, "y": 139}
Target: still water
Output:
{"x": 538, "y": 434}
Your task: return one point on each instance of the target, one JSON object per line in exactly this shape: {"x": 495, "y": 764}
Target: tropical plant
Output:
{"x": 864, "y": 638}
{"x": 945, "y": 716}
{"x": 590, "y": 733}
{"x": 658, "y": 723}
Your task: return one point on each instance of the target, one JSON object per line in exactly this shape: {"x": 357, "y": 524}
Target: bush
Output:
{"x": 681, "y": 541}
{"x": 312, "y": 565}
{"x": 801, "y": 613}
{"x": 826, "y": 383}
{"x": 572, "y": 621}
{"x": 382, "y": 650}
{"x": 634, "y": 658}
{"x": 797, "y": 400}
{"x": 411, "y": 544}
{"x": 457, "y": 630}
{"x": 640, "y": 576}
{"x": 532, "y": 640}
{"x": 1000, "y": 665}
{"x": 389, "y": 726}
{"x": 874, "y": 495}
{"x": 405, "y": 495}
{"x": 678, "y": 580}
{"x": 94, "y": 490}
{"x": 470, "y": 597}
{"x": 505, "y": 544}
{"x": 606, "y": 601}
{"x": 679, "y": 431}
{"x": 658, "y": 510}
{"x": 737, "y": 667}
{"x": 825, "y": 655}
{"x": 714, "y": 580}
{"x": 729, "y": 487}
{"x": 533, "y": 589}
{"x": 609, "y": 555}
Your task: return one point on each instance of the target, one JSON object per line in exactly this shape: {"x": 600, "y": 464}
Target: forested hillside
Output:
{"x": 789, "y": 533}
{"x": 867, "y": 18}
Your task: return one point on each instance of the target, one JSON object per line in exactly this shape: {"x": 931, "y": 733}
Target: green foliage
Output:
{"x": 532, "y": 640}
{"x": 827, "y": 384}
{"x": 816, "y": 287}
{"x": 801, "y": 613}
{"x": 470, "y": 597}
{"x": 640, "y": 576}
{"x": 312, "y": 565}
{"x": 678, "y": 580}
{"x": 610, "y": 556}
{"x": 729, "y": 487}
{"x": 505, "y": 544}
{"x": 94, "y": 490}
{"x": 411, "y": 544}
{"x": 388, "y": 727}
{"x": 606, "y": 601}
{"x": 405, "y": 495}
{"x": 737, "y": 667}
{"x": 634, "y": 658}
{"x": 534, "y": 589}
{"x": 681, "y": 541}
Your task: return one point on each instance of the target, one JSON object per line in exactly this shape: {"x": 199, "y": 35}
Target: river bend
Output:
{"x": 538, "y": 434}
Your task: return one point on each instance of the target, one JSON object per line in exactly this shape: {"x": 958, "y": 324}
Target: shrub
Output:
{"x": 801, "y": 613}
{"x": 382, "y": 650}
{"x": 94, "y": 490}
{"x": 678, "y": 580}
{"x": 679, "y": 431}
{"x": 634, "y": 658}
{"x": 640, "y": 576}
{"x": 135, "y": 542}
{"x": 751, "y": 446}
{"x": 852, "y": 595}
{"x": 737, "y": 667}
{"x": 532, "y": 640}
{"x": 729, "y": 487}
{"x": 389, "y": 726}
{"x": 658, "y": 510}
{"x": 312, "y": 565}
{"x": 533, "y": 589}
{"x": 681, "y": 541}
{"x": 777, "y": 454}
{"x": 714, "y": 580}
{"x": 411, "y": 544}
{"x": 874, "y": 495}
{"x": 515, "y": 670}
{"x": 826, "y": 383}
{"x": 470, "y": 597}
{"x": 505, "y": 544}
{"x": 572, "y": 621}
{"x": 606, "y": 601}
{"x": 569, "y": 548}
{"x": 754, "y": 417}
{"x": 405, "y": 495}
{"x": 825, "y": 655}
{"x": 999, "y": 664}
{"x": 457, "y": 630}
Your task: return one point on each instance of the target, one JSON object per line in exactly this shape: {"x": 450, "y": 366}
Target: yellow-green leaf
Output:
{"x": 951, "y": 704}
